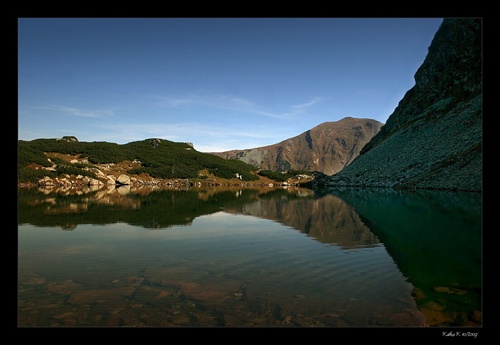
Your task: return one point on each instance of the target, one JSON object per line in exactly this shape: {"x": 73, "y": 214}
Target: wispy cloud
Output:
{"x": 71, "y": 111}
{"x": 173, "y": 131}
{"x": 206, "y": 138}
{"x": 228, "y": 102}
{"x": 302, "y": 107}
{"x": 294, "y": 110}
{"x": 233, "y": 103}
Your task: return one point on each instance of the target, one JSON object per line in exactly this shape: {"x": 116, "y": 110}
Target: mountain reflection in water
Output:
{"x": 216, "y": 275}
{"x": 327, "y": 219}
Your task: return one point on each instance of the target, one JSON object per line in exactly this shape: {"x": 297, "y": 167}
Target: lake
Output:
{"x": 249, "y": 258}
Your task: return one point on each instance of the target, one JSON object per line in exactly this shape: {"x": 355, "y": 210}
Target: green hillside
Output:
{"x": 159, "y": 158}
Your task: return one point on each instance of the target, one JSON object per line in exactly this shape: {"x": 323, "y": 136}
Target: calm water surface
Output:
{"x": 248, "y": 258}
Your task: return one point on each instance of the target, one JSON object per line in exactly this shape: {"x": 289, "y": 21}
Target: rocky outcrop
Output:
{"x": 69, "y": 138}
{"x": 327, "y": 148}
{"x": 433, "y": 140}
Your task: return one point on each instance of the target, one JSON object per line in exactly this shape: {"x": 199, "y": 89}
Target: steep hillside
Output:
{"x": 433, "y": 140}
{"x": 68, "y": 163}
{"x": 326, "y": 148}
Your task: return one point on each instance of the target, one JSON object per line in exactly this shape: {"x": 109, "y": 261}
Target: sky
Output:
{"x": 218, "y": 83}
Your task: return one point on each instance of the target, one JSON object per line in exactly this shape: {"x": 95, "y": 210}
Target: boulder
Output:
{"x": 123, "y": 179}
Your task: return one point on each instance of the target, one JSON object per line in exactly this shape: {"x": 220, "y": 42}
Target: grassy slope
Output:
{"x": 158, "y": 158}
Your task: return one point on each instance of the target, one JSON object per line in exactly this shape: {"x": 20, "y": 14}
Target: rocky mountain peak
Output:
{"x": 326, "y": 148}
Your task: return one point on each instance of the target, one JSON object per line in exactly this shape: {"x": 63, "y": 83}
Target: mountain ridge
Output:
{"x": 329, "y": 146}
{"x": 326, "y": 148}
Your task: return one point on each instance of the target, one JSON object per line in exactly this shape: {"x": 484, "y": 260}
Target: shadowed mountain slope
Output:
{"x": 433, "y": 140}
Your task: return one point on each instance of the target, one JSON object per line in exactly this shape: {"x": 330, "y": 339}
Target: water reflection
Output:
{"x": 328, "y": 218}
{"x": 435, "y": 238}
{"x": 213, "y": 265}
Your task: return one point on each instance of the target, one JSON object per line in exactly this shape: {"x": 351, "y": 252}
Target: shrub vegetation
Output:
{"x": 159, "y": 158}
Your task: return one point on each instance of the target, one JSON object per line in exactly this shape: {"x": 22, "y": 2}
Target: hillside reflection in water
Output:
{"x": 239, "y": 257}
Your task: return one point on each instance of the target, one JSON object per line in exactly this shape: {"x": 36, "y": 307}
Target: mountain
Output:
{"x": 433, "y": 139}
{"x": 326, "y": 148}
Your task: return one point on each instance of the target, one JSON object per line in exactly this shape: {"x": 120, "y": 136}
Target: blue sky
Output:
{"x": 220, "y": 83}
